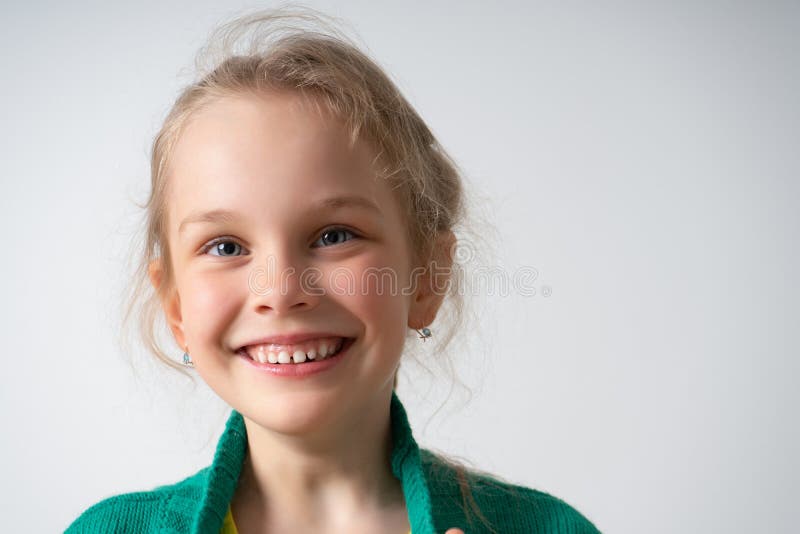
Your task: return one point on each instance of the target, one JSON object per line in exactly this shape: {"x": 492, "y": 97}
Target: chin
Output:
{"x": 293, "y": 416}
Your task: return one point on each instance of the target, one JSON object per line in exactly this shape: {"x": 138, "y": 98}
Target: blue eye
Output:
{"x": 334, "y": 235}
{"x": 221, "y": 244}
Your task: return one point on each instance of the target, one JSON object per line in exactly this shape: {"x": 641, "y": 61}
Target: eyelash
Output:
{"x": 227, "y": 239}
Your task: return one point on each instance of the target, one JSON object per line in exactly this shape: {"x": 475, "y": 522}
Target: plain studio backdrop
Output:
{"x": 641, "y": 157}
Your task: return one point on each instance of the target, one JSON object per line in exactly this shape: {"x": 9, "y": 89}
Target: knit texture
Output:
{"x": 198, "y": 504}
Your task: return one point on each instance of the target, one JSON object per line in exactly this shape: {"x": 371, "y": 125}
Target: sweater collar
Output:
{"x": 221, "y": 477}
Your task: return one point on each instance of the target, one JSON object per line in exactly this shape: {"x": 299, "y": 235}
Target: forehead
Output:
{"x": 251, "y": 152}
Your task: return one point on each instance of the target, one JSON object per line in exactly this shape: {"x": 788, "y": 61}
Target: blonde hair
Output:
{"x": 329, "y": 71}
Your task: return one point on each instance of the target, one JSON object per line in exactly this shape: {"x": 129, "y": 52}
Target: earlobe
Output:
{"x": 431, "y": 291}
{"x": 170, "y": 303}
{"x": 172, "y": 310}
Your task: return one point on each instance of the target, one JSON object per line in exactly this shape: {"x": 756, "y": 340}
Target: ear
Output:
{"x": 170, "y": 302}
{"x": 431, "y": 286}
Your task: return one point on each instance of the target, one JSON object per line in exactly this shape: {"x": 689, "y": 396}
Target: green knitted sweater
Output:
{"x": 434, "y": 501}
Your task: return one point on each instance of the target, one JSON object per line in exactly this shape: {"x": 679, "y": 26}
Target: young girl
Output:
{"x": 300, "y": 219}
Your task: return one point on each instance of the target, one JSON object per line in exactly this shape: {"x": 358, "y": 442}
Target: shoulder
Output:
{"x": 126, "y": 512}
{"x": 141, "y": 511}
{"x": 489, "y": 504}
{"x": 528, "y": 510}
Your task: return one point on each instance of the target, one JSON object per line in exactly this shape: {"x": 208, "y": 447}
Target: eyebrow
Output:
{"x": 332, "y": 203}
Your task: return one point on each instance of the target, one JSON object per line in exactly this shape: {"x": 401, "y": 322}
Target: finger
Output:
{"x": 454, "y": 531}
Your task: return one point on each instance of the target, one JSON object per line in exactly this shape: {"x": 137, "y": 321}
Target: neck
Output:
{"x": 323, "y": 479}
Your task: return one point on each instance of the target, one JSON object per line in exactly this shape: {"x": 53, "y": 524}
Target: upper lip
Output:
{"x": 290, "y": 339}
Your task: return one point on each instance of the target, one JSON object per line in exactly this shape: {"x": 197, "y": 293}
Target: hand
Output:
{"x": 454, "y": 531}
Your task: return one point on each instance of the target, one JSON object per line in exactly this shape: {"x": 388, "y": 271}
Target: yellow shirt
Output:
{"x": 229, "y": 527}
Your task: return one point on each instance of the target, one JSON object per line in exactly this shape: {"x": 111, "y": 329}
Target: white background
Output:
{"x": 643, "y": 157}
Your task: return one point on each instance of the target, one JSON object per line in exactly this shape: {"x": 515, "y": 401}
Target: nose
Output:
{"x": 282, "y": 285}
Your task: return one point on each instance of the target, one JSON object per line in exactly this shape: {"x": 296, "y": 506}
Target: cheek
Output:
{"x": 208, "y": 302}
{"x": 383, "y": 314}
{"x": 378, "y": 291}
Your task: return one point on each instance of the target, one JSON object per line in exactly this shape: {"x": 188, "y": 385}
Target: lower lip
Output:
{"x": 299, "y": 370}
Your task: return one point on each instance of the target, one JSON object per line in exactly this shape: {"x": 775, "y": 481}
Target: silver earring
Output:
{"x": 187, "y": 361}
{"x": 425, "y": 334}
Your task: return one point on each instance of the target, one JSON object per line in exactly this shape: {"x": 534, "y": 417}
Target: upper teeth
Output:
{"x": 316, "y": 349}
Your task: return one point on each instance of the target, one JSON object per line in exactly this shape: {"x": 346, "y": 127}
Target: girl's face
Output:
{"x": 273, "y": 165}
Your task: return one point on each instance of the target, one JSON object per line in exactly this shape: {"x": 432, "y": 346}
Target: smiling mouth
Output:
{"x": 302, "y": 353}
